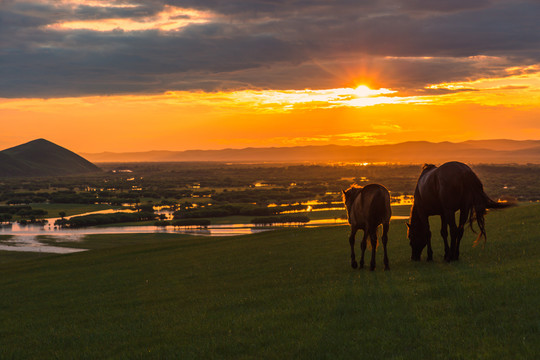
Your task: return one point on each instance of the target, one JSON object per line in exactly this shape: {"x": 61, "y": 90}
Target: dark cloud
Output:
{"x": 52, "y": 12}
{"x": 444, "y": 5}
{"x": 404, "y": 45}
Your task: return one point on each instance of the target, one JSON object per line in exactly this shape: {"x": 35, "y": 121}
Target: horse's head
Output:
{"x": 418, "y": 235}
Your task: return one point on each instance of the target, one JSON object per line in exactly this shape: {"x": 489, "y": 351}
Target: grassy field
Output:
{"x": 283, "y": 294}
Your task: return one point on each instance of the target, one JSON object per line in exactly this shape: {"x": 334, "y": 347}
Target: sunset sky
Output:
{"x": 134, "y": 75}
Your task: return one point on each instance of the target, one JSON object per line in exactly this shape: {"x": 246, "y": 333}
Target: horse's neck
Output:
{"x": 425, "y": 178}
{"x": 427, "y": 168}
{"x": 417, "y": 215}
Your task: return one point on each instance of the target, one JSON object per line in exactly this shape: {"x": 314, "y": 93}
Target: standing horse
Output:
{"x": 442, "y": 191}
{"x": 367, "y": 208}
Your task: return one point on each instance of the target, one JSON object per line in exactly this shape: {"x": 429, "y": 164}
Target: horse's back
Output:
{"x": 455, "y": 170}
{"x": 376, "y": 204}
{"x": 452, "y": 185}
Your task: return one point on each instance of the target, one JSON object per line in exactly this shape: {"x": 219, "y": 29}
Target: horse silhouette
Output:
{"x": 367, "y": 208}
{"x": 442, "y": 191}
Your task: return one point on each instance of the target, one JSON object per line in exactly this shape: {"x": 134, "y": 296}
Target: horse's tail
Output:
{"x": 380, "y": 210}
{"x": 482, "y": 202}
{"x": 490, "y": 204}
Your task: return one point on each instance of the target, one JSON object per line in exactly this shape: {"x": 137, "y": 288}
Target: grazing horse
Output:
{"x": 442, "y": 191}
{"x": 367, "y": 208}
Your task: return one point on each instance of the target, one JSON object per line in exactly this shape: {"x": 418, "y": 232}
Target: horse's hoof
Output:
{"x": 371, "y": 268}
{"x": 386, "y": 268}
{"x": 354, "y": 264}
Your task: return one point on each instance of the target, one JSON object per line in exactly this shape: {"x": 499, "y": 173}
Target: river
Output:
{"x": 18, "y": 237}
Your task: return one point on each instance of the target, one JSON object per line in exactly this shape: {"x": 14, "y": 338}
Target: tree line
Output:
{"x": 104, "y": 219}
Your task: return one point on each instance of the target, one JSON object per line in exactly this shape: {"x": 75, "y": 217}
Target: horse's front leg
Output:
{"x": 354, "y": 264}
{"x": 429, "y": 249}
{"x": 373, "y": 238}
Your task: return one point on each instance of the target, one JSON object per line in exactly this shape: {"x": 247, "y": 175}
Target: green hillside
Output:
{"x": 42, "y": 158}
{"x": 283, "y": 294}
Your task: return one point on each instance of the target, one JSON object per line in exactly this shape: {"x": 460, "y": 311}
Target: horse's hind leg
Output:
{"x": 386, "y": 226}
{"x": 373, "y": 238}
{"x": 451, "y": 220}
{"x": 354, "y": 264}
{"x": 444, "y": 235}
{"x": 363, "y": 246}
{"x": 463, "y": 215}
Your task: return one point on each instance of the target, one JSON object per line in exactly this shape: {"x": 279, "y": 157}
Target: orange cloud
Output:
{"x": 522, "y": 88}
{"x": 171, "y": 18}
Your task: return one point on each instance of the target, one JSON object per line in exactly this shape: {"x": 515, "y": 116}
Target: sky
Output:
{"x": 132, "y": 75}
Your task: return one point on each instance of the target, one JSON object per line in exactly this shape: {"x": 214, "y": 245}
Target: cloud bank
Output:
{"x": 79, "y": 48}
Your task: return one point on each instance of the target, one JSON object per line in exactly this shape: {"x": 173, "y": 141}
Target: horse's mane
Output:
{"x": 351, "y": 192}
{"x": 427, "y": 167}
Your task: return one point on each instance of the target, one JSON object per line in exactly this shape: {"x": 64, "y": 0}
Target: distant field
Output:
{"x": 70, "y": 209}
{"x": 282, "y": 294}
{"x": 399, "y": 210}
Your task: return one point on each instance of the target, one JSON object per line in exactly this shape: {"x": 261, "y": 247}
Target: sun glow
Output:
{"x": 286, "y": 100}
{"x": 257, "y": 100}
{"x": 347, "y": 116}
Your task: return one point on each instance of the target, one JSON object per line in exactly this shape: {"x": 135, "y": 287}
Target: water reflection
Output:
{"x": 31, "y": 243}
{"x": 27, "y": 238}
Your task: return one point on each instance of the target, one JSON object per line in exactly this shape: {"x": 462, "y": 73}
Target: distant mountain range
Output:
{"x": 473, "y": 151}
{"x": 42, "y": 158}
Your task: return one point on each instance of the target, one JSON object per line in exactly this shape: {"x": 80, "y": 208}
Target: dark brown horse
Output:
{"x": 367, "y": 208}
{"x": 442, "y": 191}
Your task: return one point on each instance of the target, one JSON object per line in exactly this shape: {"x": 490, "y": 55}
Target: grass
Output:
{"x": 12, "y": 256}
{"x": 283, "y": 294}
